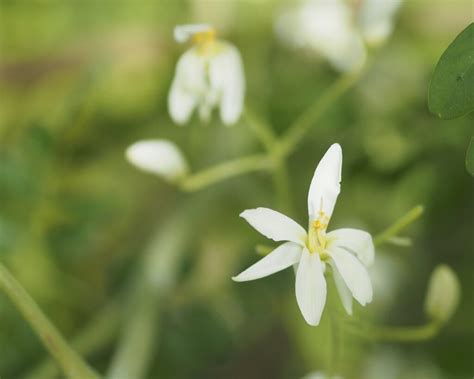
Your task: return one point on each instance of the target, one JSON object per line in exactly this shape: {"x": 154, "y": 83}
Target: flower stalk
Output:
{"x": 392, "y": 231}
{"x": 73, "y": 366}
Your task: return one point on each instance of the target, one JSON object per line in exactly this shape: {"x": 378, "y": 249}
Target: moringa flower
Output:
{"x": 160, "y": 157}
{"x": 337, "y": 29}
{"x": 210, "y": 74}
{"x": 347, "y": 251}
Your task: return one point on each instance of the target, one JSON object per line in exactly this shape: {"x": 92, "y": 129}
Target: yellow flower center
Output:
{"x": 206, "y": 42}
{"x": 317, "y": 241}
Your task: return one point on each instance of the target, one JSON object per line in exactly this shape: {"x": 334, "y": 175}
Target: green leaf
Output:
{"x": 470, "y": 157}
{"x": 451, "y": 91}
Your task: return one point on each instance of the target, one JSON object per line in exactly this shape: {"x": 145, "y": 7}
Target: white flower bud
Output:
{"x": 443, "y": 294}
{"x": 159, "y": 157}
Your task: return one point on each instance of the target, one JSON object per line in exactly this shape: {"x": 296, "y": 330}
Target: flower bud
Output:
{"x": 443, "y": 294}
{"x": 159, "y": 157}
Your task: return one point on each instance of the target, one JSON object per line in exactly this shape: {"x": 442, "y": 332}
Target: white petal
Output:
{"x": 189, "y": 86}
{"x": 180, "y": 104}
{"x": 282, "y": 257}
{"x": 227, "y": 77}
{"x": 325, "y": 186}
{"x": 327, "y": 28}
{"x": 310, "y": 287}
{"x": 375, "y": 19}
{"x": 159, "y": 157}
{"x": 344, "y": 292}
{"x": 355, "y": 241}
{"x": 354, "y": 273}
{"x": 275, "y": 225}
{"x": 183, "y": 33}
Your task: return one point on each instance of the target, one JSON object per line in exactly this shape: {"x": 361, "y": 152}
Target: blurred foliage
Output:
{"x": 80, "y": 81}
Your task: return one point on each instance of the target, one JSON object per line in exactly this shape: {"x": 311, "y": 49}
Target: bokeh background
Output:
{"x": 119, "y": 259}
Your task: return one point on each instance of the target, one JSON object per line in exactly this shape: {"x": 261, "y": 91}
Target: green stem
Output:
{"x": 335, "y": 343}
{"x": 407, "y": 334}
{"x": 224, "y": 171}
{"x": 95, "y": 336}
{"x": 71, "y": 363}
{"x": 157, "y": 275}
{"x": 305, "y": 121}
{"x": 281, "y": 180}
{"x": 261, "y": 129}
{"x": 397, "y": 226}
{"x": 397, "y": 334}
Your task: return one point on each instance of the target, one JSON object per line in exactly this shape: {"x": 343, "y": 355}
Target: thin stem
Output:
{"x": 71, "y": 363}
{"x": 397, "y": 334}
{"x": 96, "y": 335}
{"x": 224, "y": 171}
{"x": 335, "y": 343}
{"x": 261, "y": 129}
{"x": 157, "y": 275}
{"x": 303, "y": 123}
{"x": 281, "y": 181}
{"x": 392, "y": 231}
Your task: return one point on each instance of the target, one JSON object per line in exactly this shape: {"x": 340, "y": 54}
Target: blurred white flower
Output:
{"x": 375, "y": 19}
{"x": 210, "y": 74}
{"x": 444, "y": 292}
{"x": 347, "y": 251}
{"x": 337, "y": 29}
{"x": 159, "y": 157}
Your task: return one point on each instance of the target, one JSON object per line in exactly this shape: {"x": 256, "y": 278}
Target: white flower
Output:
{"x": 210, "y": 74}
{"x": 159, "y": 157}
{"x": 346, "y": 251}
{"x": 337, "y": 30}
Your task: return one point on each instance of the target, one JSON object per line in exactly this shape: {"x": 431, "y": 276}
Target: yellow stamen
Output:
{"x": 204, "y": 37}
{"x": 317, "y": 235}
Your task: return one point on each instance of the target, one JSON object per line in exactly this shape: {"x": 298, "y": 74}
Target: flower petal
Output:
{"x": 275, "y": 225}
{"x": 310, "y": 287}
{"x": 354, "y": 273}
{"x": 375, "y": 19}
{"x": 282, "y": 257}
{"x": 160, "y": 157}
{"x": 183, "y": 33}
{"x": 189, "y": 86}
{"x": 180, "y": 104}
{"x": 355, "y": 241}
{"x": 325, "y": 186}
{"x": 227, "y": 77}
{"x": 344, "y": 291}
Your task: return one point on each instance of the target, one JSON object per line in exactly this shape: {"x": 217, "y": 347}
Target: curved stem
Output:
{"x": 224, "y": 171}
{"x": 397, "y": 226}
{"x": 71, "y": 363}
{"x": 261, "y": 129}
{"x": 303, "y": 123}
{"x": 397, "y": 334}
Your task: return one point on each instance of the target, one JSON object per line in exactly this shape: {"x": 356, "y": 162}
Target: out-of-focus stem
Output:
{"x": 392, "y": 231}
{"x": 281, "y": 180}
{"x": 397, "y": 334}
{"x": 95, "y": 336}
{"x": 151, "y": 284}
{"x": 303, "y": 123}
{"x": 224, "y": 171}
{"x": 72, "y": 364}
{"x": 261, "y": 129}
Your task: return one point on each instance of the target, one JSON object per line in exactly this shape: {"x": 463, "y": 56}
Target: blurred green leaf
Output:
{"x": 470, "y": 157}
{"x": 451, "y": 91}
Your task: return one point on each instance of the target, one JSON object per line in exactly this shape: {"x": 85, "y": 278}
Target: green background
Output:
{"x": 80, "y": 81}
